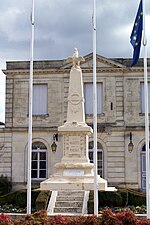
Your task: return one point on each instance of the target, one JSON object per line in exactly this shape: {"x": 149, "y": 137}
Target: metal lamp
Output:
{"x": 54, "y": 146}
{"x": 130, "y": 145}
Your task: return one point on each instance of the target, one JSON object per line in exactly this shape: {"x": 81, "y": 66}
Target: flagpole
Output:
{"x": 95, "y": 111}
{"x": 146, "y": 115}
{"x": 30, "y": 114}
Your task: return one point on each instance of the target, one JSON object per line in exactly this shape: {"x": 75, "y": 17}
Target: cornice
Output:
{"x": 84, "y": 70}
{"x": 40, "y": 129}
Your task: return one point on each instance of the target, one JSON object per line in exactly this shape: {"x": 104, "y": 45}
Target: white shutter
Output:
{"x": 143, "y": 97}
{"x": 88, "y": 95}
{"x": 88, "y": 92}
{"x": 99, "y": 98}
{"x": 39, "y": 99}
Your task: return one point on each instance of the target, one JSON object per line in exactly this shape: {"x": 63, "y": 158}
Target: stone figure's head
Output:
{"x": 75, "y": 52}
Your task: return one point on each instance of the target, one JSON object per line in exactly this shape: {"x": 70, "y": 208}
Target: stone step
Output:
{"x": 67, "y": 198}
{"x": 68, "y": 210}
{"x": 71, "y": 193}
{"x": 69, "y": 204}
{"x": 68, "y": 201}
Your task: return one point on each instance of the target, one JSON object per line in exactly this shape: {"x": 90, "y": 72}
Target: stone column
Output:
{"x": 75, "y": 131}
{"x": 74, "y": 172}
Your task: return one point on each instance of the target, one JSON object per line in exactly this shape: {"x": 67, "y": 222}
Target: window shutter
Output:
{"x": 88, "y": 95}
{"x": 143, "y": 98}
{"x": 40, "y": 99}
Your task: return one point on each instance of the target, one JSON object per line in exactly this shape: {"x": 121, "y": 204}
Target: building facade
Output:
{"x": 120, "y": 108}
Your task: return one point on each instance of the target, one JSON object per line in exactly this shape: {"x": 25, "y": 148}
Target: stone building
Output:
{"x": 120, "y": 117}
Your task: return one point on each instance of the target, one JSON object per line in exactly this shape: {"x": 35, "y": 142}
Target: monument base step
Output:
{"x": 74, "y": 183}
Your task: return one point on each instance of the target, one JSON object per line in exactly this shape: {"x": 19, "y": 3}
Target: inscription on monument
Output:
{"x": 73, "y": 172}
{"x": 74, "y": 145}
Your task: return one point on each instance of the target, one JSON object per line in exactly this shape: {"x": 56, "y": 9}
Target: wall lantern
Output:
{"x": 130, "y": 145}
{"x": 54, "y": 146}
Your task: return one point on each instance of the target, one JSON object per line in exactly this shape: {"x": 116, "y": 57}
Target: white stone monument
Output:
{"x": 75, "y": 171}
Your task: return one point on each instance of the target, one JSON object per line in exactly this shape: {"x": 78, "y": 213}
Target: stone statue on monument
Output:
{"x": 76, "y": 59}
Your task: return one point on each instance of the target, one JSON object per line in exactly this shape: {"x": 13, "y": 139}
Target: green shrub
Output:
{"x": 34, "y": 196}
{"x": 121, "y": 198}
{"x": 42, "y": 200}
{"x": 124, "y": 195}
{"x": 109, "y": 199}
{"x": 8, "y": 198}
{"x": 91, "y": 203}
{"x": 5, "y": 185}
{"x": 136, "y": 198}
{"x": 21, "y": 198}
{"x": 132, "y": 197}
{"x": 105, "y": 198}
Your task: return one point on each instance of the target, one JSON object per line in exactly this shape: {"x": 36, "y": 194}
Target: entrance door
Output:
{"x": 100, "y": 168}
{"x": 143, "y": 169}
{"x": 39, "y": 161}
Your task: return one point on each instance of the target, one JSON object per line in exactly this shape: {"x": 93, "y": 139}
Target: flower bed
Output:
{"x": 134, "y": 209}
{"x": 126, "y": 217}
{"x": 11, "y": 209}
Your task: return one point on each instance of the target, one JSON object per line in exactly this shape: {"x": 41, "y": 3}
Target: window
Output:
{"x": 142, "y": 97}
{"x": 99, "y": 157}
{"x": 143, "y": 168}
{"x": 39, "y": 161}
{"x": 88, "y": 94}
{"x": 40, "y": 99}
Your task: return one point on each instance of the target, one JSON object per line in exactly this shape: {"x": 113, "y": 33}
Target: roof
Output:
{"x": 59, "y": 64}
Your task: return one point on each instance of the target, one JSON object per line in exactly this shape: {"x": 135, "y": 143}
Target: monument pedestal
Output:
{"x": 72, "y": 182}
{"x": 75, "y": 172}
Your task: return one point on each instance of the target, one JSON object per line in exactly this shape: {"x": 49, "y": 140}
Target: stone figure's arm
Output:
{"x": 69, "y": 59}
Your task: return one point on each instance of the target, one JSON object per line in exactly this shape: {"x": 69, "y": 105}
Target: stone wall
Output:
{"x": 6, "y": 153}
{"x": 121, "y": 115}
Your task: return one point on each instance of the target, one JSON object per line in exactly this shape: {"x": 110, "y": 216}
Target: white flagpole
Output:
{"x": 95, "y": 111}
{"x": 146, "y": 116}
{"x": 30, "y": 114}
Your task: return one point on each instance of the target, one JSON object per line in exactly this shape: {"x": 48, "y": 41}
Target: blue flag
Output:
{"x": 136, "y": 35}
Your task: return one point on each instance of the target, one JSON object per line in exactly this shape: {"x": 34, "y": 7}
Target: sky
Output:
{"x": 61, "y": 25}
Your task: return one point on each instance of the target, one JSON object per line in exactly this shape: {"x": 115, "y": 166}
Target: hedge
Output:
{"x": 42, "y": 200}
{"x": 8, "y": 198}
{"x": 136, "y": 198}
{"x": 19, "y": 198}
{"x": 121, "y": 198}
{"x": 5, "y": 185}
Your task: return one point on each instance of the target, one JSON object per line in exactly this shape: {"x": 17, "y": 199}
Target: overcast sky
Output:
{"x": 61, "y": 25}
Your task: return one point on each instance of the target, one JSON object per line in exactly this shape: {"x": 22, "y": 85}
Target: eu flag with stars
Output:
{"x": 136, "y": 35}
